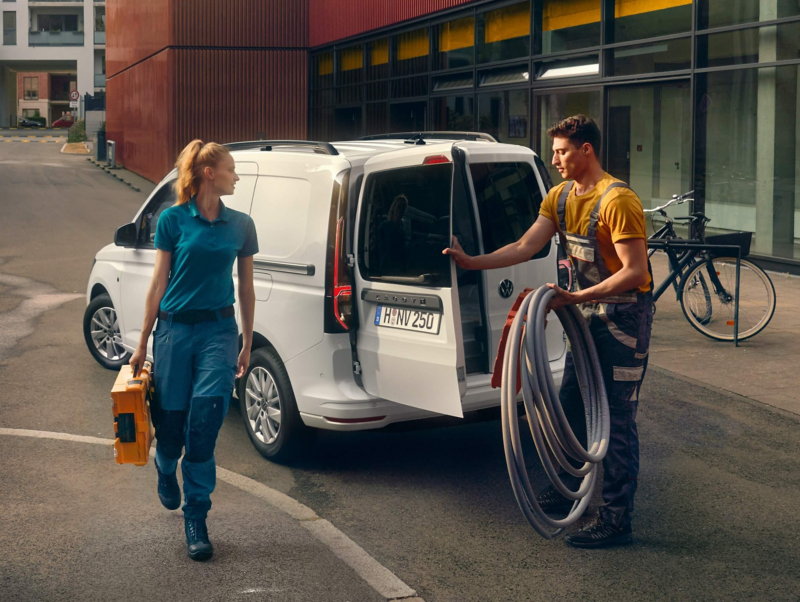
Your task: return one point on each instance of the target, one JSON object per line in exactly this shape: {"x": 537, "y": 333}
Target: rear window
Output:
{"x": 509, "y": 199}
{"x": 405, "y": 225}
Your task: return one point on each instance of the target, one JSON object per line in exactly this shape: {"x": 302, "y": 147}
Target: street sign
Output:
{"x": 74, "y": 96}
{"x": 74, "y": 104}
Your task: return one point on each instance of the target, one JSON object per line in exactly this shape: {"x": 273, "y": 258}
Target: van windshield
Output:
{"x": 405, "y": 225}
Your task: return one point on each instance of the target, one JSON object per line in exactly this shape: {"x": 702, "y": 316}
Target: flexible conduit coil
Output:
{"x": 551, "y": 432}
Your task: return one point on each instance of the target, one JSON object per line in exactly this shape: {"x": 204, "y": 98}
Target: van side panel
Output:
{"x": 290, "y": 210}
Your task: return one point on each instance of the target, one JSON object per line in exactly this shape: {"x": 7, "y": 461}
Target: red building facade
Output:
{"x": 220, "y": 70}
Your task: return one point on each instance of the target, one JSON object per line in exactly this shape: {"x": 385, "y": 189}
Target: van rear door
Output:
{"x": 409, "y": 338}
{"x": 508, "y": 191}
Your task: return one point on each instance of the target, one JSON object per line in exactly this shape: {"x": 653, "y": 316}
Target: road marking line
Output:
{"x": 381, "y": 579}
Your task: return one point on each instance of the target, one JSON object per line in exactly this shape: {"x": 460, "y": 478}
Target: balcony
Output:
{"x": 100, "y": 38}
{"x": 55, "y": 38}
{"x": 99, "y": 80}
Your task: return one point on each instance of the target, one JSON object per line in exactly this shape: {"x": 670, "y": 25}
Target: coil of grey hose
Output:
{"x": 555, "y": 441}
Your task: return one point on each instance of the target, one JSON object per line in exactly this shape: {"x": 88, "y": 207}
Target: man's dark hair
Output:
{"x": 578, "y": 129}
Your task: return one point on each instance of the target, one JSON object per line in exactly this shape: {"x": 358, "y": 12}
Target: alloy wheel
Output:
{"x": 106, "y": 335}
{"x": 263, "y": 405}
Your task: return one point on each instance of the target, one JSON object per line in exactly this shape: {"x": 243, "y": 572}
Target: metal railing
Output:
{"x": 99, "y": 80}
{"x": 99, "y": 37}
{"x": 55, "y": 38}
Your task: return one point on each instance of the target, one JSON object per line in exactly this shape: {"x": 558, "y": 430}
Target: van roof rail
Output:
{"x": 324, "y": 148}
{"x": 432, "y": 136}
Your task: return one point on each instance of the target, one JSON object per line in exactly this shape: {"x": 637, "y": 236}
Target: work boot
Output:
{"x": 168, "y": 491}
{"x": 600, "y": 534}
{"x": 552, "y": 502}
{"x": 197, "y": 543}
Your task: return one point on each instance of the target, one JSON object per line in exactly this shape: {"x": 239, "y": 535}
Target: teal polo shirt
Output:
{"x": 203, "y": 253}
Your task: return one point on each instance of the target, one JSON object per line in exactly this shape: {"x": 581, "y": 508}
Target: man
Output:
{"x": 601, "y": 224}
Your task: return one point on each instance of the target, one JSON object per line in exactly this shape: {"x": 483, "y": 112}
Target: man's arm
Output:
{"x": 526, "y": 247}
{"x": 632, "y": 253}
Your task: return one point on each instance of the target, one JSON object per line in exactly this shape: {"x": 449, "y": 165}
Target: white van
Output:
{"x": 360, "y": 319}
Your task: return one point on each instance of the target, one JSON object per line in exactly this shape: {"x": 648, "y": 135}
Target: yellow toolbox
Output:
{"x": 132, "y": 426}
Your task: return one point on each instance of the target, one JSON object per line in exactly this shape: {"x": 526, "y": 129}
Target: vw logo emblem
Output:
{"x": 506, "y": 288}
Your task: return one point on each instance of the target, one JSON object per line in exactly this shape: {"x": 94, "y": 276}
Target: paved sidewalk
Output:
{"x": 763, "y": 368}
{"x": 135, "y": 181}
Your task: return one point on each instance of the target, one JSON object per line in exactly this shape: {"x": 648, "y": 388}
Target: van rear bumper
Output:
{"x": 329, "y": 398}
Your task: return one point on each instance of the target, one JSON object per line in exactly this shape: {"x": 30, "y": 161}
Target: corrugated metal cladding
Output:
{"x": 331, "y": 20}
{"x": 138, "y": 119}
{"x": 157, "y": 106}
{"x": 241, "y": 23}
{"x": 136, "y": 29}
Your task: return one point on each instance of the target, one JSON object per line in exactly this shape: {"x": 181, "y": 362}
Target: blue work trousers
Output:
{"x": 195, "y": 366}
{"x": 621, "y": 333}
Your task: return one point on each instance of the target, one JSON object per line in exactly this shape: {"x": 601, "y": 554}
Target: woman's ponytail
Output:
{"x": 191, "y": 162}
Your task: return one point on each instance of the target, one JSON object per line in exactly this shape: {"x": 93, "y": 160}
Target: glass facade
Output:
{"x": 701, "y": 94}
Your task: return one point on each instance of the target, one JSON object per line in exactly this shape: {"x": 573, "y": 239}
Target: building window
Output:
{"x": 378, "y": 61}
{"x": 638, "y": 19}
{"x": 411, "y": 53}
{"x": 504, "y": 115}
{"x": 754, "y": 45}
{"x": 30, "y": 88}
{"x": 455, "y": 44}
{"x": 671, "y": 55}
{"x": 57, "y": 23}
{"x": 454, "y": 113}
{"x": 322, "y": 71}
{"x": 747, "y": 147}
{"x": 504, "y": 33}
{"x": 350, "y": 66}
{"x": 566, "y": 25}
{"x": 720, "y": 13}
{"x": 9, "y": 28}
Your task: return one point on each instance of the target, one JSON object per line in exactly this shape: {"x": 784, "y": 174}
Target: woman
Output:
{"x": 196, "y": 340}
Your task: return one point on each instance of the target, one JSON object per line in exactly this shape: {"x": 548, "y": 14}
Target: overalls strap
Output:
{"x": 562, "y": 206}
{"x": 595, "y": 215}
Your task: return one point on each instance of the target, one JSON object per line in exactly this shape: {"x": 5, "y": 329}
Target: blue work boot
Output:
{"x": 600, "y": 534}
{"x": 197, "y": 543}
{"x": 168, "y": 491}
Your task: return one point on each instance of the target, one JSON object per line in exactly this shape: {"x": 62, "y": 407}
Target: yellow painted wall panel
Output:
{"x": 352, "y": 58}
{"x": 379, "y": 53}
{"x": 561, "y": 14}
{"x": 508, "y": 23}
{"x": 628, "y": 8}
{"x": 325, "y": 65}
{"x": 457, "y": 34}
{"x": 412, "y": 44}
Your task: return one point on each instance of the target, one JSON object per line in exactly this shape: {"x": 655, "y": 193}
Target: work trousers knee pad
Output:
{"x": 170, "y": 433}
{"x": 205, "y": 420}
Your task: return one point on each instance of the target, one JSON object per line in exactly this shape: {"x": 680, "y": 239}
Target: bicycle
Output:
{"x": 705, "y": 281}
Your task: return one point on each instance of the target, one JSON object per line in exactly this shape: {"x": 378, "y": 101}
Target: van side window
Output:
{"x": 509, "y": 199}
{"x": 405, "y": 225}
{"x": 163, "y": 199}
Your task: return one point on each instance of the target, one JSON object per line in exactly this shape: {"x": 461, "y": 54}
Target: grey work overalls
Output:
{"x": 620, "y": 326}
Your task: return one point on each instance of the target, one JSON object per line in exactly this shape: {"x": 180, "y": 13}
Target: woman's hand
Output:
{"x": 137, "y": 360}
{"x": 244, "y": 362}
{"x": 461, "y": 258}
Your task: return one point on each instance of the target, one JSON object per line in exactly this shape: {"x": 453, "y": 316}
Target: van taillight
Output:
{"x": 434, "y": 159}
{"x": 338, "y": 291}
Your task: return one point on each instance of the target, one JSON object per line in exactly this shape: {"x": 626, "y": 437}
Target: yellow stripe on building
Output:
{"x": 379, "y": 53}
{"x": 325, "y": 65}
{"x": 558, "y": 14}
{"x": 508, "y": 23}
{"x": 457, "y": 34}
{"x": 628, "y": 8}
{"x": 352, "y": 58}
{"x": 412, "y": 44}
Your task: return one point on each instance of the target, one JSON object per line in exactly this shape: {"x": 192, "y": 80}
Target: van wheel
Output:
{"x": 269, "y": 409}
{"x": 102, "y": 335}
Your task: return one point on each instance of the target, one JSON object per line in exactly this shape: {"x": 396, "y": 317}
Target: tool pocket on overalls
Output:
{"x": 625, "y": 389}
{"x": 580, "y": 247}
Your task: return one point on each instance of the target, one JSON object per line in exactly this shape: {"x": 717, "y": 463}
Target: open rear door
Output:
{"x": 409, "y": 337}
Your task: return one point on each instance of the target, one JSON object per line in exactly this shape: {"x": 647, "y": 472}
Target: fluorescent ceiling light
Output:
{"x": 573, "y": 71}
{"x": 640, "y": 50}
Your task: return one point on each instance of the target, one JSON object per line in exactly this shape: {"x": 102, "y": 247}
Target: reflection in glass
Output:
{"x": 411, "y": 53}
{"x": 567, "y": 25}
{"x": 649, "y": 140}
{"x": 455, "y": 44}
{"x": 750, "y": 154}
{"x": 505, "y": 115}
{"x": 504, "y": 33}
{"x": 555, "y": 107}
{"x": 719, "y": 13}
{"x": 581, "y": 67}
{"x": 410, "y": 87}
{"x": 504, "y": 75}
{"x": 755, "y": 45}
{"x": 350, "y": 65}
{"x": 458, "y": 81}
{"x": 672, "y": 55}
{"x": 454, "y": 113}
{"x": 322, "y": 124}
{"x": 322, "y": 70}
{"x": 408, "y": 116}
{"x": 640, "y": 19}
{"x": 378, "y": 59}
{"x": 377, "y": 116}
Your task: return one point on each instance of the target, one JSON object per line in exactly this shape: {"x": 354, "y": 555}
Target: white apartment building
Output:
{"x": 49, "y": 48}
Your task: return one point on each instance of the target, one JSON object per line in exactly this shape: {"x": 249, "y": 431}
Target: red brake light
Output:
{"x": 342, "y": 292}
{"x": 433, "y": 159}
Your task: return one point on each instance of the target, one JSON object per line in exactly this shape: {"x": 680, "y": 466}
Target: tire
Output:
{"x": 102, "y": 335}
{"x": 278, "y": 433}
{"x": 756, "y": 298}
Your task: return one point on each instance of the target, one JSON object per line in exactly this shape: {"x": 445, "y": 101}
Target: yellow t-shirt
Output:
{"x": 621, "y": 217}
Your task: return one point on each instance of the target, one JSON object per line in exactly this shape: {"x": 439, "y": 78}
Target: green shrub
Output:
{"x": 102, "y": 126}
{"x": 77, "y": 132}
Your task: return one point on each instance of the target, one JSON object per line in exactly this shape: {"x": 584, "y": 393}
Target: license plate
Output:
{"x": 408, "y": 319}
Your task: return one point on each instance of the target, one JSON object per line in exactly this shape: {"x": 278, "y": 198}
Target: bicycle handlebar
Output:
{"x": 676, "y": 200}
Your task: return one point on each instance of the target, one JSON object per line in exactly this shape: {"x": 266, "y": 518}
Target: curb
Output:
{"x": 109, "y": 171}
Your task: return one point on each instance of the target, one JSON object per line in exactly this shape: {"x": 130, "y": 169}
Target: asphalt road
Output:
{"x": 32, "y": 132}
{"x": 715, "y": 520}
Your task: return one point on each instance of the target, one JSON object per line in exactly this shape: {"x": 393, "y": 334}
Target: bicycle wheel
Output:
{"x": 710, "y": 308}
